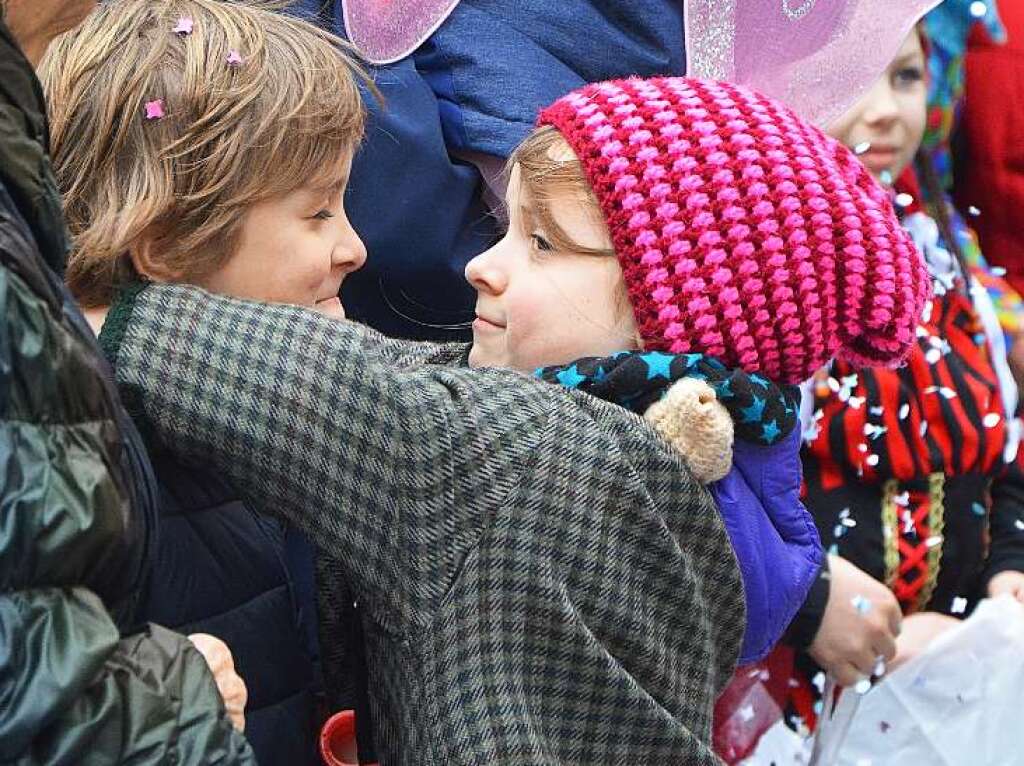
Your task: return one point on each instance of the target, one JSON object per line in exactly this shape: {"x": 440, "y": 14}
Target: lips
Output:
{"x": 879, "y": 158}
{"x": 331, "y": 307}
{"x": 484, "y": 324}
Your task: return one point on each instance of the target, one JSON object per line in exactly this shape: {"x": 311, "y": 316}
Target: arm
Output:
{"x": 73, "y": 687}
{"x": 390, "y": 467}
{"x": 1006, "y": 555}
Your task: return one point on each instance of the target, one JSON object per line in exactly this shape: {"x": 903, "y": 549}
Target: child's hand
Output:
{"x": 229, "y": 683}
{"x": 691, "y": 419}
{"x": 918, "y": 631}
{"x": 862, "y": 620}
{"x": 1007, "y": 584}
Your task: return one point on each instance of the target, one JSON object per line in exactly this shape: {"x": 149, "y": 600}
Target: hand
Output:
{"x": 1007, "y": 584}
{"x": 229, "y": 683}
{"x": 862, "y": 620}
{"x": 919, "y": 630}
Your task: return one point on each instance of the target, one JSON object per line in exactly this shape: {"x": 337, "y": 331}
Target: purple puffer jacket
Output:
{"x": 773, "y": 535}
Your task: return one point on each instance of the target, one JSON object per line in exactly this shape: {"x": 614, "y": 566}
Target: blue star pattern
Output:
{"x": 570, "y": 377}
{"x": 658, "y": 365}
{"x": 762, "y": 412}
{"x": 754, "y": 412}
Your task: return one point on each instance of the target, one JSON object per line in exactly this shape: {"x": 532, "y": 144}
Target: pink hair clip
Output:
{"x": 184, "y": 26}
{"x": 155, "y": 109}
{"x": 235, "y": 58}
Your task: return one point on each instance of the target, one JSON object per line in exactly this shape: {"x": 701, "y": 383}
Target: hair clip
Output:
{"x": 155, "y": 109}
{"x": 235, "y": 58}
{"x": 184, "y": 26}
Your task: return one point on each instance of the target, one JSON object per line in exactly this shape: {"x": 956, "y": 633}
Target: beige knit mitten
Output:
{"x": 692, "y": 420}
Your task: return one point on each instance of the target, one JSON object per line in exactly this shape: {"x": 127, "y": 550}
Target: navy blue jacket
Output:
{"x": 220, "y": 568}
{"x": 474, "y": 88}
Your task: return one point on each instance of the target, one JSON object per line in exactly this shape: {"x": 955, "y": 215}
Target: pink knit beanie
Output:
{"x": 743, "y": 231}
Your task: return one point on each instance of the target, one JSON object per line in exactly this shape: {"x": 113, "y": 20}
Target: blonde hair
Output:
{"x": 286, "y": 116}
{"x": 549, "y": 170}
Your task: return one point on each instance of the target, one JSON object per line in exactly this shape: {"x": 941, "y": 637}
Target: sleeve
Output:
{"x": 72, "y": 691}
{"x": 1007, "y": 523}
{"x": 804, "y": 627}
{"x": 387, "y": 463}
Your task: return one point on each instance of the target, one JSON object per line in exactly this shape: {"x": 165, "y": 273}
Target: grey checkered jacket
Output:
{"x": 544, "y": 580}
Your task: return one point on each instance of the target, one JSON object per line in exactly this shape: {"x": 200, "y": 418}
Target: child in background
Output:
{"x": 542, "y": 579}
{"x": 210, "y": 141}
{"x": 905, "y": 469}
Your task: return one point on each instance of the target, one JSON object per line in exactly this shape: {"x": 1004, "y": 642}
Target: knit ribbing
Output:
{"x": 744, "y": 232}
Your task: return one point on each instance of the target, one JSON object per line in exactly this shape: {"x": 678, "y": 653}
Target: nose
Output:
{"x": 881, "y": 108}
{"x": 349, "y": 252}
{"x": 485, "y": 274}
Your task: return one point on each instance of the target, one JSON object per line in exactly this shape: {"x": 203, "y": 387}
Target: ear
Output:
{"x": 144, "y": 254}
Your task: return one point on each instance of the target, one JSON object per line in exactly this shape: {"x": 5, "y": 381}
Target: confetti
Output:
{"x": 924, "y": 428}
{"x": 885, "y": 177}
{"x": 879, "y": 667}
{"x": 747, "y": 713}
{"x": 904, "y": 411}
{"x": 945, "y": 391}
{"x": 863, "y": 686}
{"x": 903, "y": 498}
{"x": 234, "y": 58}
{"x": 862, "y": 148}
{"x": 1019, "y": 524}
{"x": 884, "y": 726}
{"x": 959, "y": 605}
{"x": 861, "y": 604}
{"x": 933, "y": 356}
{"x": 184, "y": 26}
{"x": 155, "y": 109}
{"x": 972, "y": 210}
{"x": 979, "y": 9}
{"x": 862, "y": 447}
{"x": 819, "y": 682}
{"x": 904, "y": 200}
{"x": 872, "y": 460}
{"x": 877, "y": 411}
{"x": 874, "y": 432}
{"x": 998, "y": 271}
{"x": 978, "y": 509}
{"x": 932, "y": 541}
{"x": 991, "y": 420}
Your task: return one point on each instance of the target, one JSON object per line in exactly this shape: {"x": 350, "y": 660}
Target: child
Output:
{"x": 185, "y": 131}
{"x": 905, "y": 468}
{"x": 541, "y": 578}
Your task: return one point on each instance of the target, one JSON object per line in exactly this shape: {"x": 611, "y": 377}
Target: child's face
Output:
{"x": 536, "y": 306}
{"x": 890, "y": 118}
{"x": 296, "y": 249}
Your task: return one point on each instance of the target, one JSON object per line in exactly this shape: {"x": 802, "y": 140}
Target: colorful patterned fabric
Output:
{"x": 947, "y": 28}
{"x": 743, "y": 232}
{"x": 762, "y": 413}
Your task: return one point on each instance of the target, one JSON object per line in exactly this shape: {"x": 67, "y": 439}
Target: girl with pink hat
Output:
{"x": 542, "y": 577}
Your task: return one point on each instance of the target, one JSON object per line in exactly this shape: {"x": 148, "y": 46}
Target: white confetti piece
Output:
{"x": 972, "y": 210}
{"x": 747, "y": 713}
{"x": 863, "y": 686}
{"x": 1019, "y": 524}
{"x": 959, "y": 605}
{"x": 978, "y": 11}
{"x": 932, "y": 541}
{"x": 991, "y": 420}
{"x": 904, "y": 200}
{"x": 933, "y": 356}
{"x": 862, "y": 148}
{"x": 879, "y": 667}
{"x": 861, "y": 604}
{"x": 872, "y": 460}
{"x": 904, "y": 412}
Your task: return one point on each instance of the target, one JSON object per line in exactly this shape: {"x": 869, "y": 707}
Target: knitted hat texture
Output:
{"x": 743, "y": 231}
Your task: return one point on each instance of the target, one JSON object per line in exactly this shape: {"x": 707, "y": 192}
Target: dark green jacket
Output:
{"x": 76, "y": 509}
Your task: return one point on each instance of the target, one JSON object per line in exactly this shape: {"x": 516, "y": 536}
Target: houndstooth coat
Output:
{"x": 544, "y": 580}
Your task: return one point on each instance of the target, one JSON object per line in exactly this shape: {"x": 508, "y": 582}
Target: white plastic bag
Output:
{"x": 961, "y": 701}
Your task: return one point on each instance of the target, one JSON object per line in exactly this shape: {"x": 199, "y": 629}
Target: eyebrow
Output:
{"x": 906, "y": 58}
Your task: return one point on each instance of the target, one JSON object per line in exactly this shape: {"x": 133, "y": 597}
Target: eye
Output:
{"x": 540, "y": 243}
{"x": 907, "y": 76}
{"x": 323, "y": 215}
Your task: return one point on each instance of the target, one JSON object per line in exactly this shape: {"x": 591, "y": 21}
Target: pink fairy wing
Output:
{"x": 387, "y": 30}
{"x": 817, "y": 56}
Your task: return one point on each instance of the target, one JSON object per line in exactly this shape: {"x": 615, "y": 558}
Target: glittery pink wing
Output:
{"x": 817, "y": 56}
{"x": 387, "y": 30}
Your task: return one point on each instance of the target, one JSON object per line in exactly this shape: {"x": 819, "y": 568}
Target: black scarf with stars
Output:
{"x": 762, "y": 411}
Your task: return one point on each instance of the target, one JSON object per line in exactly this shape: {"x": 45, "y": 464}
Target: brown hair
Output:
{"x": 548, "y": 168}
{"x": 287, "y": 116}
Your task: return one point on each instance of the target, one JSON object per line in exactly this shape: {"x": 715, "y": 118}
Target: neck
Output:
{"x": 96, "y": 317}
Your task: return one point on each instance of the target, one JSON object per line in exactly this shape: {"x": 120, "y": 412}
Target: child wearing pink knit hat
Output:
{"x": 668, "y": 229}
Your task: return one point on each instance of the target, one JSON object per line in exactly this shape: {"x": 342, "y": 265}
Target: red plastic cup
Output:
{"x": 338, "y": 740}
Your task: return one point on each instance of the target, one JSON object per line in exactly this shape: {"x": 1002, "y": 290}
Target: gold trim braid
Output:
{"x": 936, "y": 527}
{"x": 890, "y": 532}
